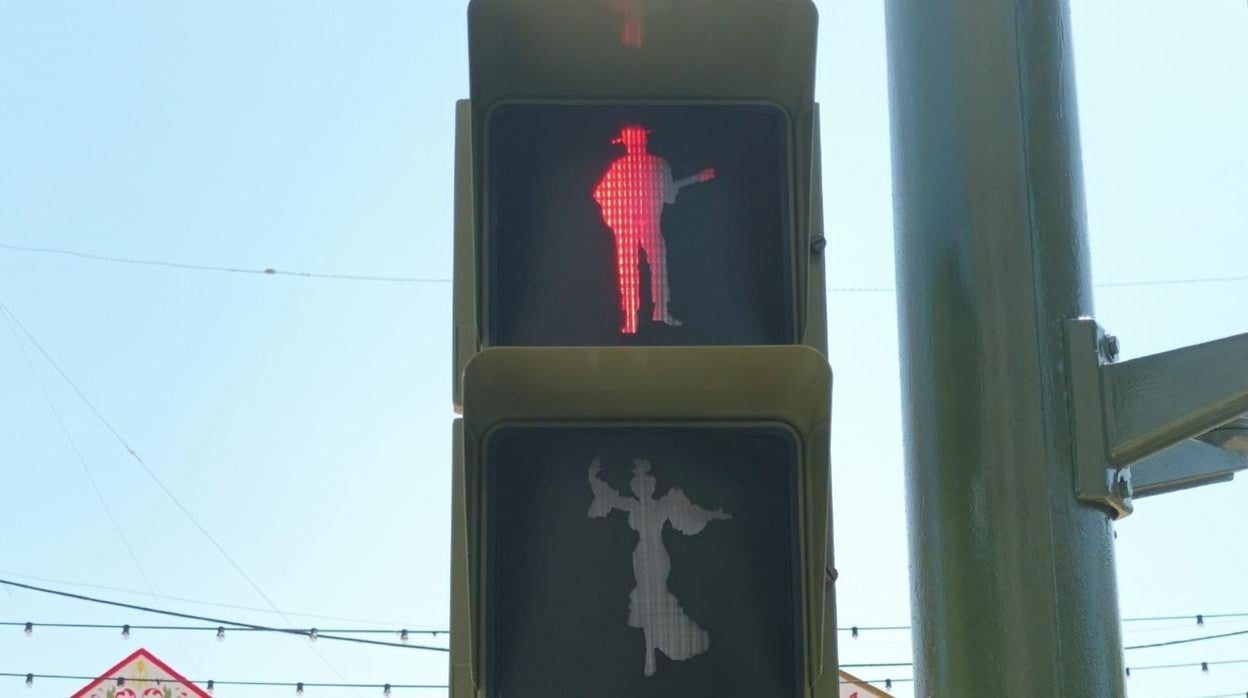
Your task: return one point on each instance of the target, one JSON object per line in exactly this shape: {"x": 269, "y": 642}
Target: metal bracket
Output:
{"x": 1140, "y": 415}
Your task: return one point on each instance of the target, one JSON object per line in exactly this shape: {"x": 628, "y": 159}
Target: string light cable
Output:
{"x": 1186, "y": 640}
{"x": 1199, "y": 618}
{"x": 200, "y": 602}
{"x": 213, "y": 683}
{"x": 220, "y": 623}
{"x": 30, "y": 626}
{"x": 1167, "y": 643}
{"x": 1203, "y": 666}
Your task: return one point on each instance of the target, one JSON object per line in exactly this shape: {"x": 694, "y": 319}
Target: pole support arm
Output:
{"x": 1131, "y": 412}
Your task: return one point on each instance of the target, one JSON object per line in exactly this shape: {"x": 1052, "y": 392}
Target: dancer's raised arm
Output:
{"x": 605, "y": 498}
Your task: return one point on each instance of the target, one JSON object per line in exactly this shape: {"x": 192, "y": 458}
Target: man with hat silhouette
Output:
{"x": 632, "y": 194}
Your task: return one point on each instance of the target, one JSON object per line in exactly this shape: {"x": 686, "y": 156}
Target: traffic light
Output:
{"x": 635, "y": 524}
{"x": 641, "y": 493}
{"x": 627, "y": 225}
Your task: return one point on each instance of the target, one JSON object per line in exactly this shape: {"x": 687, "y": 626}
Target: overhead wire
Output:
{"x": 1198, "y": 618}
{"x": 159, "y": 483}
{"x": 82, "y": 461}
{"x": 261, "y": 271}
{"x": 301, "y": 632}
{"x": 271, "y": 271}
{"x": 1185, "y": 641}
{"x": 33, "y": 625}
{"x": 1166, "y": 643}
{"x": 214, "y": 682}
{"x": 1204, "y": 666}
{"x": 200, "y": 602}
{"x": 435, "y": 633}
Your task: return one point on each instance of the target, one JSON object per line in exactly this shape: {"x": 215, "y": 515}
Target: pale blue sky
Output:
{"x": 306, "y": 423}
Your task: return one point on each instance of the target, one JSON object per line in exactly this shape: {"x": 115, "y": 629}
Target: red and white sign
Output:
{"x": 145, "y": 677}
{"x": 854, "y": 687}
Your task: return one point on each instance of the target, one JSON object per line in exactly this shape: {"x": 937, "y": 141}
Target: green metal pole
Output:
{"x": 1013, "y": 587}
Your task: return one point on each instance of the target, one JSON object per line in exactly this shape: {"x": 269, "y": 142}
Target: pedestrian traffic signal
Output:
{"x": 661, "y": 548}
{"x": 637, "y": 225}
{"x": 638, "y": 173}
{"x": 641, "y": 481}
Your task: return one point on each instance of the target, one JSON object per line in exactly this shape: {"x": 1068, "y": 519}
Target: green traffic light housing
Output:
{"x": 641, "y": 492}
{"x": 739, "y": 467}
{"x": 638, "y": 173}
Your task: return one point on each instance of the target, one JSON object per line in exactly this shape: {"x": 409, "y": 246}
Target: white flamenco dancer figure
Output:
{"x": 652, "y": 608}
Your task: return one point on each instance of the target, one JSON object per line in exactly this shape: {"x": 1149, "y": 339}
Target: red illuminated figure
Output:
{"x": 632, "y": 194}
{"x": 630, "y": 12}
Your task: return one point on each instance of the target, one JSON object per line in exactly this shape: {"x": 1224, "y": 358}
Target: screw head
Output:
{"x": 1110, "y": 347}
{"x": 1123, "y": 486}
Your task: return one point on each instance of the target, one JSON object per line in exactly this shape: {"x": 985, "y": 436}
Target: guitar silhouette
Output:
{"x": 704, "y": 176}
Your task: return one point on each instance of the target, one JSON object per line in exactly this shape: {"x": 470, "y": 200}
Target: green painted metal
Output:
{"x": 1013, "y": 587}
{"x": 1192, "y": 463}
{"x": 1133, "y": 421}
{"x": 1156, "y": 401}
{"x": 1096, "y": 479}
{"x": 789, "y": 386}
{"x": 462, "y": 678}
{"x": 1232, "y": 436}
{"x": 812, "y": 271}
{"x": 692, "y": 50}
{"x": 464, "y": 335}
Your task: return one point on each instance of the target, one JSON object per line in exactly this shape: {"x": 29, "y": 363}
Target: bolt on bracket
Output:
{"x": 1134, "y": 421}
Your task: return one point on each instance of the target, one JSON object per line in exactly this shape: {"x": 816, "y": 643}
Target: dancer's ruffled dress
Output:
{"x": 652, "y": 608}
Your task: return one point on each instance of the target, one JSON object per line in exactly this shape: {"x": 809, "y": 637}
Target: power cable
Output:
{"x": 1203, "y": 666}
{"x": 311, "y": 633}
{"x": 266, "y": 271}
{"x": 1199, "y": 618}
{"x": 886, "y": 683}
{"x": 270, "y": 271}
{"x": 435, "y": 633}
{"x": 31, "y": 626}
{"x": 1172, "y": 282}
{"x": 151, "y": 474}
{"x": 200, "y": 602}
{"x": 1167, "y": 643}
{"x": 99, "y": 493}
{"x": 1108, "y": 284}
{"x": 1185, "y": 641}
